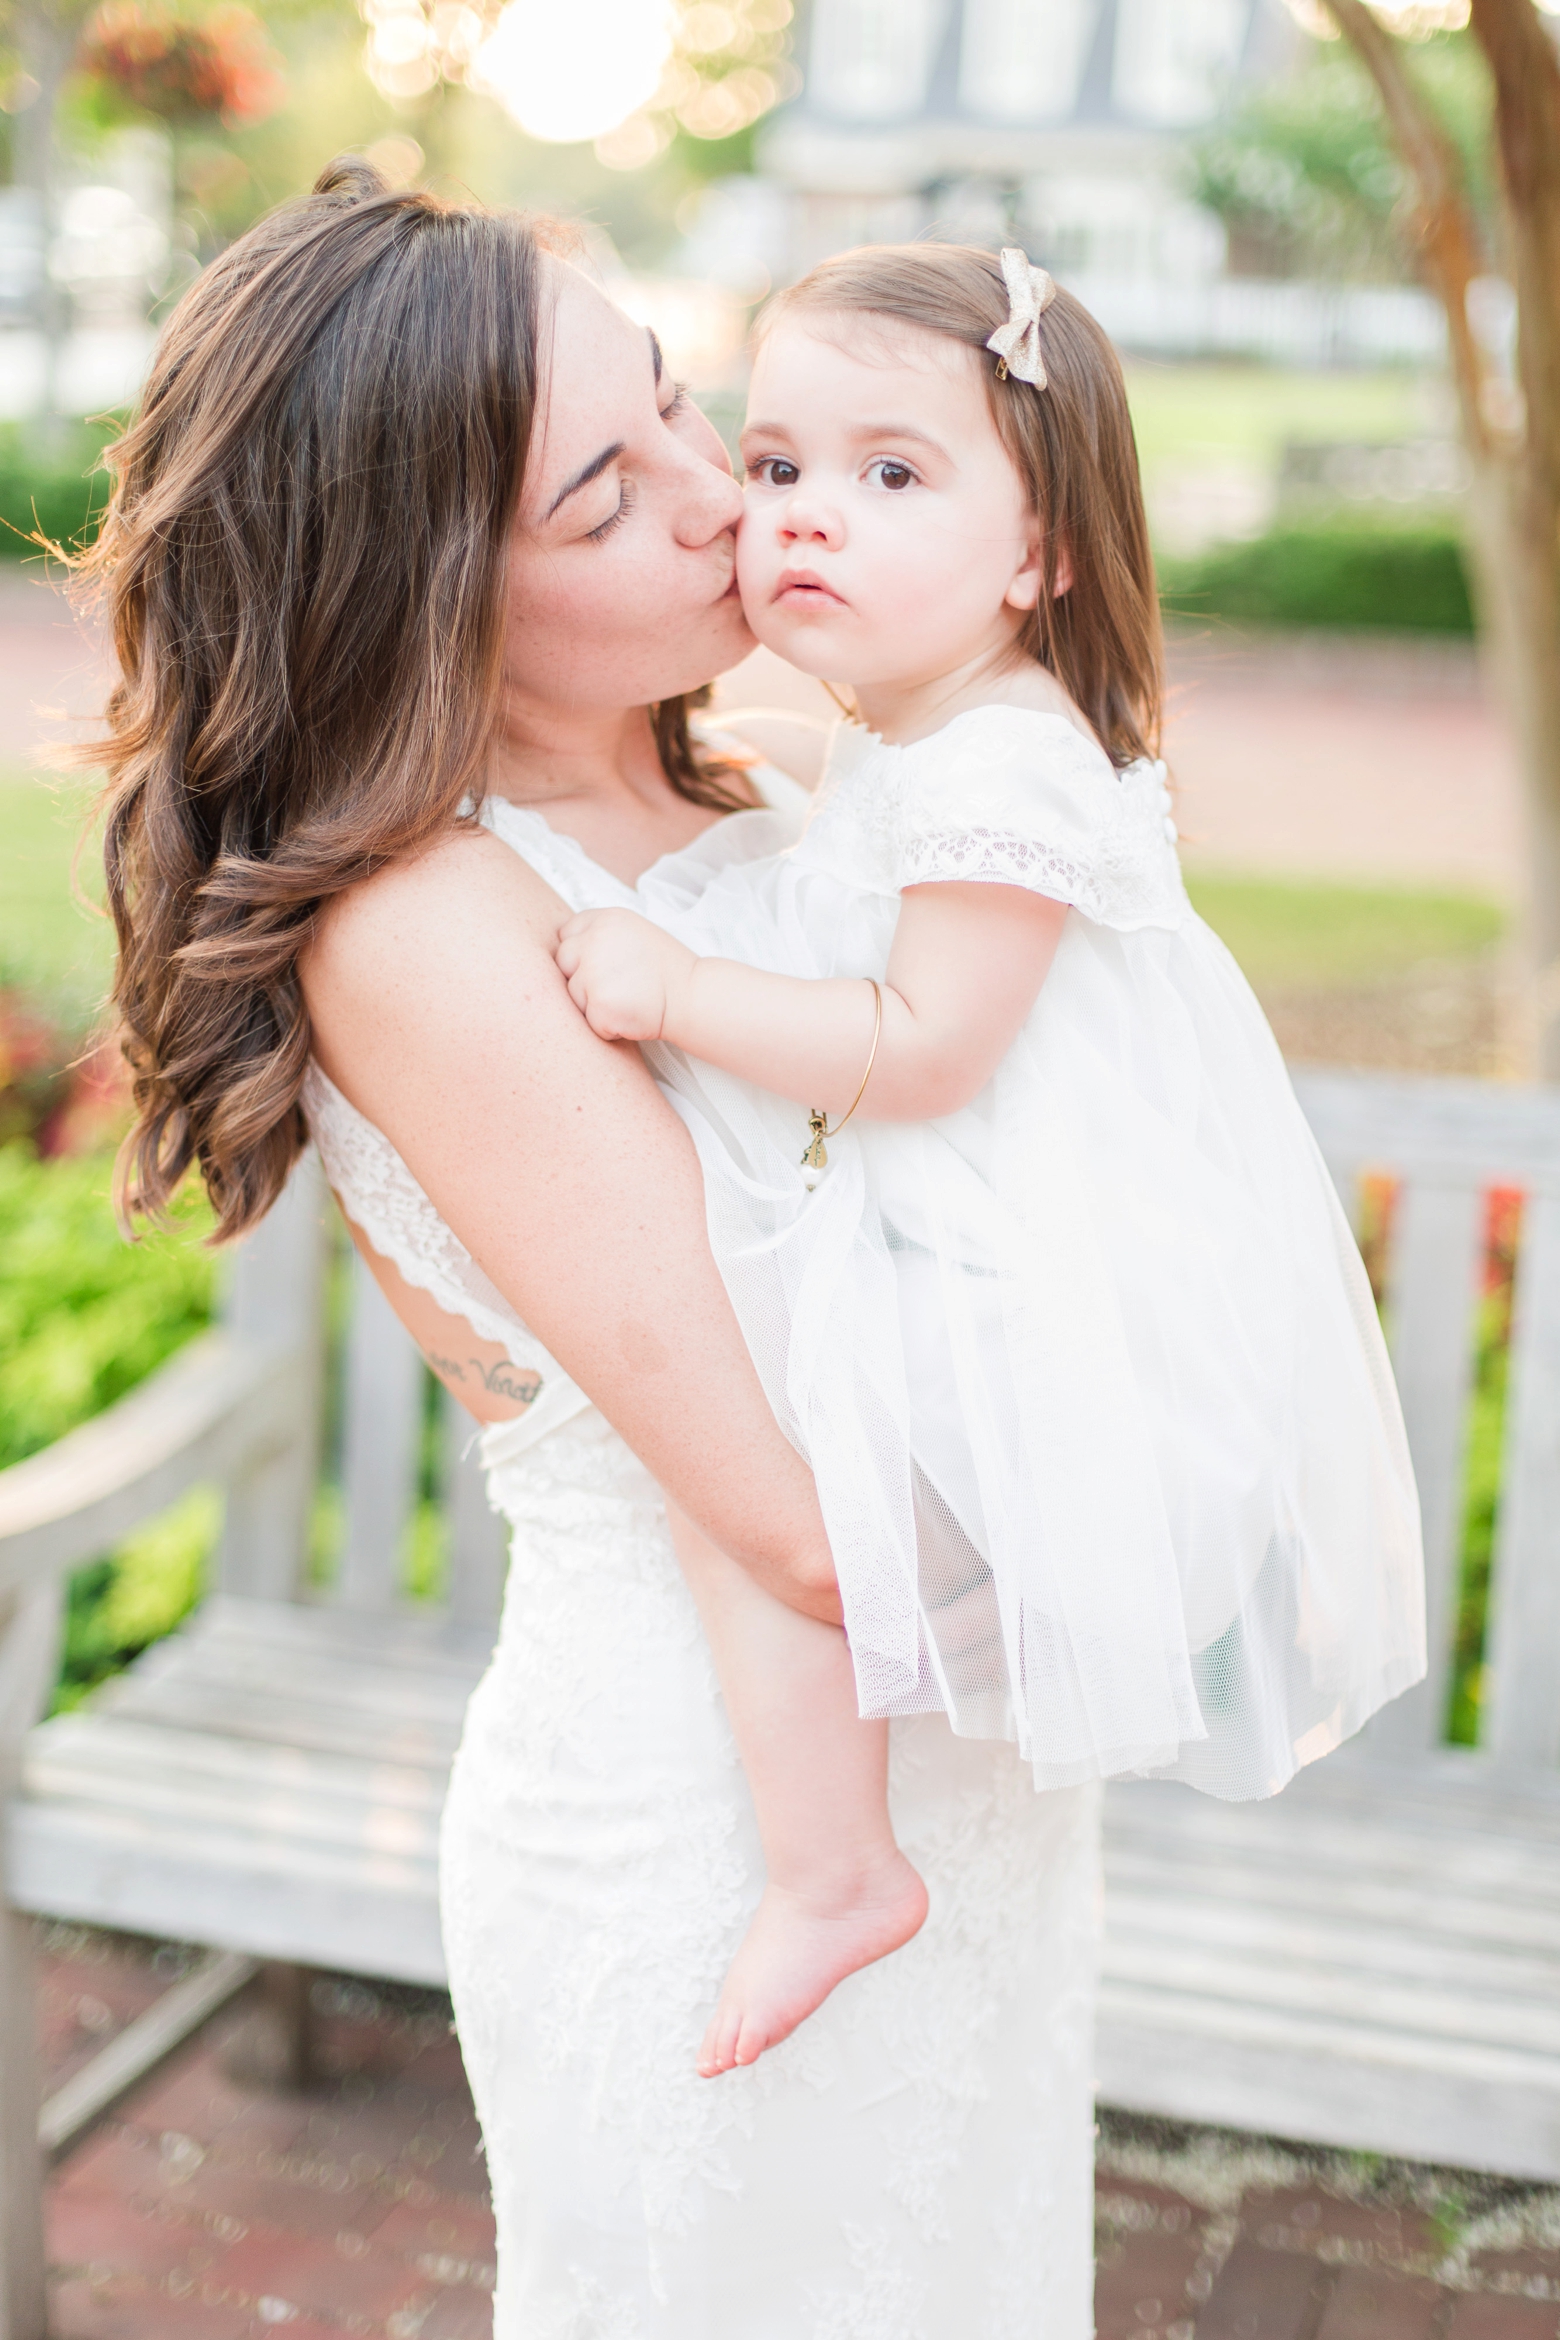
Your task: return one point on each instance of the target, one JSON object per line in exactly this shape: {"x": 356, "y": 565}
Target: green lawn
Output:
{"x": 49, "y": 941}
{"x": 1292, "y": 934}
{"x": 1191, "y": 417}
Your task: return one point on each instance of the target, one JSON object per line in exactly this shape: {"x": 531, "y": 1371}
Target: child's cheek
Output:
{"x": 755, "y": 565}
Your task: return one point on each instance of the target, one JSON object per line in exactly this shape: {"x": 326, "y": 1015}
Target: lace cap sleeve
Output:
{"x": 1016, "y": 798}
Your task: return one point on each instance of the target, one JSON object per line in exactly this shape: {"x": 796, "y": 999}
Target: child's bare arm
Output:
{"x": 965, "y": 970}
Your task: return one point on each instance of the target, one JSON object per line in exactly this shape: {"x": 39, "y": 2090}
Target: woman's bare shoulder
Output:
{"x": 462, "y": 892}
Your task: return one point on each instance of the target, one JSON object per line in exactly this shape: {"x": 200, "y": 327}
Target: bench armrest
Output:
{"x": 221, "y": 1405}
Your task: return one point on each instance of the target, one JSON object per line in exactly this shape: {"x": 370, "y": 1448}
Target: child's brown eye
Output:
{"x": 774, "y": 471}
{"x": 893, "y": 475}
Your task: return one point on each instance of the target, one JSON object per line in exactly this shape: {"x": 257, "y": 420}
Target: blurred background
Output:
{"x": 1213, "y": 177}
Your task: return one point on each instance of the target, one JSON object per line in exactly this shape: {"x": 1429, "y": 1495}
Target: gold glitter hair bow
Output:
{"x": 1017, "y": 343}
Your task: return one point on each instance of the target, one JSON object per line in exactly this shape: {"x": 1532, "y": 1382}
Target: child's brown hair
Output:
{"x": 1072, "y": 446}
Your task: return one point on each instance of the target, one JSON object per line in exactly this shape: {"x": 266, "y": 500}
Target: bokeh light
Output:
{"x": 573, "y": 72}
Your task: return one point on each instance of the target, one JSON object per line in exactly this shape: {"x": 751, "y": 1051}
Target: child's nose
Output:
{"x": 808, "y": 520}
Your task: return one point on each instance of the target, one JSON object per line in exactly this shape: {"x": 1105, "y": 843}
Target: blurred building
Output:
{"x": 1058, "y": 124}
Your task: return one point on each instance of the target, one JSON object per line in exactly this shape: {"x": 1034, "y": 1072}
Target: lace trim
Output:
{"x": 1133, "y": 896}
{"x": 380, "y": 1195}
{"x": 1007, "y": 797}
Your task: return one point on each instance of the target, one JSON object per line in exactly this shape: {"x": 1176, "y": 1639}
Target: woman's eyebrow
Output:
{"x": 656, "y": 358}
{"x": 583, "y": 477}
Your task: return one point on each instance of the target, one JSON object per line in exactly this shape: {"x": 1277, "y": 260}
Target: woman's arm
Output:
{"x": 965, "y": 969}
{"x": 437, "y": 1009}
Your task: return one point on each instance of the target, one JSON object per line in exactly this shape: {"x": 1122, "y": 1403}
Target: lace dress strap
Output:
{"x": 379, "y": 1194}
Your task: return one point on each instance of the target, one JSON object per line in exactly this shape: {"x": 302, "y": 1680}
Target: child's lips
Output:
{"x": 802, "y": 589}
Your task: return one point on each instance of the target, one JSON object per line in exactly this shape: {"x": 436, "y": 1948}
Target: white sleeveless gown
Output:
{"x": 915, "y": 2164}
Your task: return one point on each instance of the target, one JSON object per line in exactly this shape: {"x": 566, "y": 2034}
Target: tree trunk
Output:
{"x": 1513, "y": 517}
{"x": 1526, "y": 72}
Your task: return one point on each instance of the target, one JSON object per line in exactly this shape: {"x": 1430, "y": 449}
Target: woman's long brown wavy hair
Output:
{"x": 1072, "y": 446}
{"x": 303, "y": 566}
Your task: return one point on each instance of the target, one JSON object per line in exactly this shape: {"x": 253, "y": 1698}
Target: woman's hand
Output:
{"x": 624, "y": 975}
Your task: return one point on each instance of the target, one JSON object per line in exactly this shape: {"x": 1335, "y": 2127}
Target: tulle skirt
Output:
{"x": 1089, "y": 1372}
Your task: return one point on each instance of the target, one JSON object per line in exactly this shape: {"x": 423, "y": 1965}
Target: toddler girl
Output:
{"x": 1030, "y": 1242}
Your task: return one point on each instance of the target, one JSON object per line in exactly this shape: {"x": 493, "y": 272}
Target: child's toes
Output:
{"x": 719, "y": 2051}
{"x": 751, "y": 2040}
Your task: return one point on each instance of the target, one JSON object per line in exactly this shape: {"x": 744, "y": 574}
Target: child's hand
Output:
{"x": 622, "y": 972}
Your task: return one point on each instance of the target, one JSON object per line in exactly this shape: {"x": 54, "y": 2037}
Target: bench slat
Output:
{"x": 1522, "y": 1632}
{"x": 380, "y": 1447}
{"x": 1482, "y": 1133}
{"x": 1433, "y": 1289}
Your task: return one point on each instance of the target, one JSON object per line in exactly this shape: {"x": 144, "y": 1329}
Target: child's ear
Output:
{"x": 1024, "y": 592}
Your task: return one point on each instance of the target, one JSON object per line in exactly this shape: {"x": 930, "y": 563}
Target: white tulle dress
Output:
{"x": 1089, "y": 1372}
{"x": 916, "y": 2163}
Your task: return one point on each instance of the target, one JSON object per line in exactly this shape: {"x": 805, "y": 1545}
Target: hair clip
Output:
{"x": 1017, "y": 343}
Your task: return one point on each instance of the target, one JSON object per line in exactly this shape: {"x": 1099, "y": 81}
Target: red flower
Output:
{"x": 184, "y": 67}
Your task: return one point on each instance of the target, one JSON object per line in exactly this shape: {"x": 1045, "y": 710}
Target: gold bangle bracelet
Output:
{"x": 816, "y": 1160}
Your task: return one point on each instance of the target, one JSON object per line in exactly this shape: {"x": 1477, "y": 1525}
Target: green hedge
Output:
{"x": 52, "y": 489}
{"x": 1406, "y": 580}
{"x": 84, "y": 1315}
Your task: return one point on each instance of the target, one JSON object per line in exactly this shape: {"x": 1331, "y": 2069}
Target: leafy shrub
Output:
{"x": 119, "y": 1607}
{"x": 1340, "y": 574}
{"x": 48, "y": 490}
{"x": 84, "y": 1315}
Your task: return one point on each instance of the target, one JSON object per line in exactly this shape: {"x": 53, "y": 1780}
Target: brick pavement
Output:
{"x": 213, "y": 2205}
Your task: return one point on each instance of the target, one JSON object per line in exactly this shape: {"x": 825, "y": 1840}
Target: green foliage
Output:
{"x": 84, "y": 1315}
{"x": 55, "y": 491}
{"x": 119, "y": 1607}
{"x": 1304, "y": 173}
{"x": 1346, "y": 573}
{"x": 1289, "y": 934}
{"x": 1483, "y": 1455}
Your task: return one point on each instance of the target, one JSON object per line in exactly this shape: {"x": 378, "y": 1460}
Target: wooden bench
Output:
{"x": 1372, "y": 1960}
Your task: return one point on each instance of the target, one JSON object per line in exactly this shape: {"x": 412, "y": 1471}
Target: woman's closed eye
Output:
{"x": 677, "y": 404}
{"x": 614, "y": 519}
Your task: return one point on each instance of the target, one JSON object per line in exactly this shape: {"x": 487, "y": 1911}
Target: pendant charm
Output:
{"x": 816, "y": 1159}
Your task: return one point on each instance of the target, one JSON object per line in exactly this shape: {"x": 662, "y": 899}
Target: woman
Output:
{"x": 411, "y": 516}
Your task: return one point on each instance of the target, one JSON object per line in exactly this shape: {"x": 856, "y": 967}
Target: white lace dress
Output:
{"x": 915, "y": 2164}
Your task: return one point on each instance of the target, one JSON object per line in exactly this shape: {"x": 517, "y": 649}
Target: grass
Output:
{"x": 1294, "y": 934}
{"x": 1200, "y": 417}
{"x": 52, "y": 943}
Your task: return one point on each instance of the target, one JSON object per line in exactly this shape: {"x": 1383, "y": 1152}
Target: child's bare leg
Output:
{"x": 839, "y": 1892}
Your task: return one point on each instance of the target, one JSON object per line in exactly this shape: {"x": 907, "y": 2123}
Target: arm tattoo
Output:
{"x": 504, "y": 1379}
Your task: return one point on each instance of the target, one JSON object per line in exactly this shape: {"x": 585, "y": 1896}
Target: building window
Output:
{"x": 871, "y": 60}
{"x": 1174, "y": 58}
{"x": 1022, "y": 62}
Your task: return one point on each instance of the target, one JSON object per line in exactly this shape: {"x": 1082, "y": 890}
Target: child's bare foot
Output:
{"x": 800, "y": 1944}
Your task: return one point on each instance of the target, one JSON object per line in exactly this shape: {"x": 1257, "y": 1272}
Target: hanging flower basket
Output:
{"x": 184, "y": 68}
